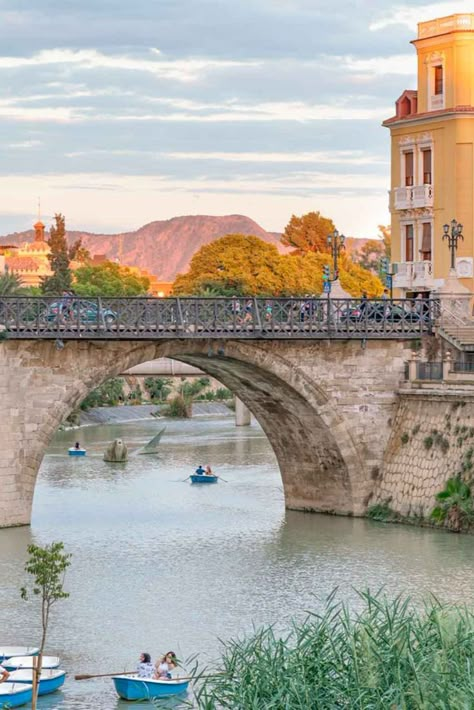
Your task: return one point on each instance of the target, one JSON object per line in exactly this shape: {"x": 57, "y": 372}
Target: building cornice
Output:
{"x": 430, "y": 116}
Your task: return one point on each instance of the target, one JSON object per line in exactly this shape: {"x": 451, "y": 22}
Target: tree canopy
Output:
{"x": 109, "y": 279}
{"x": 240, "y": 265}
{"x": 308, "y": 233}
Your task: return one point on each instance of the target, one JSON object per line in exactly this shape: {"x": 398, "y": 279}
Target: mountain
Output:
{"x": 165, "y": 247}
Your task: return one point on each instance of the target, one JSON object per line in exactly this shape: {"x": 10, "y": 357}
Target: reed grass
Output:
{"x": 389, "y": 655}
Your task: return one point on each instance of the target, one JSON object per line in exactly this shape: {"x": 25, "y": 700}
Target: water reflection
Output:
{"x": 160, "y": 564}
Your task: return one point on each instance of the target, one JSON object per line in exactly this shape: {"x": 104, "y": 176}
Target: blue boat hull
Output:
{"x": 77, "y": 452}
{"x": 46, "y": 685}
{"x": 17, "y": 697}
{"x": 131, "y": 688}
{"x": 196, "y": 478}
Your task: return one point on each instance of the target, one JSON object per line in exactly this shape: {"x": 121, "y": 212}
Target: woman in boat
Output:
{"x": 165, "y": 665}
{"x": 145, "y": 667}
{"x": 4, "y": 674}
{"x": 209, "y": 471}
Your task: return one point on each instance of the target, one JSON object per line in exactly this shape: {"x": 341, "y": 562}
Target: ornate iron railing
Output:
{"x": 71, "y": 317}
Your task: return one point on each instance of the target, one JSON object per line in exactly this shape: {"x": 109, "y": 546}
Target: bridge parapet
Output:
{"x": 73, "y": 318}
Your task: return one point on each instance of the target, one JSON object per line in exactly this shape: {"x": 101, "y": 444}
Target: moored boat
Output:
{"x": 12, "y": 695}
{"x": 76, "y": 452}
{"x": 203, "y": 478}
{"x": 9, "y": 651}
{"x": 50, "y": 680}
{"x": 19, "y": 662}
{"x": 135, "y": 688}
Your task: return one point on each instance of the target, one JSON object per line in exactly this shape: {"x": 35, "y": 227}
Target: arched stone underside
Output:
{"x": 324, "y": 407}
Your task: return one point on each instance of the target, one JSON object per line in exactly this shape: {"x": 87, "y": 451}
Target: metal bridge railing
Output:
{"x": 70, "y": 317}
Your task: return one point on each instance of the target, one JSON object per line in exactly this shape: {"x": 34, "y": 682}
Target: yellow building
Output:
{"x": 432, "y": 175}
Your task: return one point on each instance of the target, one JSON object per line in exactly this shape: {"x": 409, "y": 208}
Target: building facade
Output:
{"x": 432, "y": 173}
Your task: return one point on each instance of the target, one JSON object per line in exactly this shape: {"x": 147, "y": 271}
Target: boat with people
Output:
{"x": 203, "y": 475}
{"x": 132, "y": 687}
{"x": 19, "y": 662}
{"x": 9, "y": 651}
{"x": 51, "y": 679}
{"x": 13, "y": 695}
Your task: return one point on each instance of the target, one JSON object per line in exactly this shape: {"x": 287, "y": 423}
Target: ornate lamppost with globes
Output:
{"x": 336, "y": 242}
{"x": 453, "y": 233}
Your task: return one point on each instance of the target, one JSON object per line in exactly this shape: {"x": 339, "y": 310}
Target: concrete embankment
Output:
{"x": 127, "y": 413}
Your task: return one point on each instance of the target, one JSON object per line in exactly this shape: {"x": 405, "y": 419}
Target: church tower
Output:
{"x": 432, "y": 161}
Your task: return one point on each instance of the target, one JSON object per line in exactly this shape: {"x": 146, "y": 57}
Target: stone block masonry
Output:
{"x": 432, "y": 439}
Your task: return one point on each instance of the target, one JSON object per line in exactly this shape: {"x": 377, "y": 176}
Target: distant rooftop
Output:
{"x": 444, "y": 25}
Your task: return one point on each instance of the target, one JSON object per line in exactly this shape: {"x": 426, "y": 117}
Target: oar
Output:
{"x": 86, "y": 676}
{"x": 185, "y": 479}
{"x": 222, "y": 479}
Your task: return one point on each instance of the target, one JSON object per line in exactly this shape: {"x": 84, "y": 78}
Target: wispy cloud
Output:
{"x": 410, "y": 15}
{"x": 183, "y": 70}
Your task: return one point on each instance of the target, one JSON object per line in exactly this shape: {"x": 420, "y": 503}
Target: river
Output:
{"x": 159, "y": 564}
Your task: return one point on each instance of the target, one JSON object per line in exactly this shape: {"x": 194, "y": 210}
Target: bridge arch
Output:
{"x": 324, "y": 456}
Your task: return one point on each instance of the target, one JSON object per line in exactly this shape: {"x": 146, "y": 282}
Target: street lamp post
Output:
{"x": 336, "y": 242}
{"x": 453, "y": 233}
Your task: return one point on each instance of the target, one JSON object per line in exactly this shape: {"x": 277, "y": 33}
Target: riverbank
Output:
{"x": 141, "y": 412}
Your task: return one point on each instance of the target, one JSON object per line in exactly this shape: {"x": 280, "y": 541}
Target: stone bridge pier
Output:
{"x": 325, "y": 407}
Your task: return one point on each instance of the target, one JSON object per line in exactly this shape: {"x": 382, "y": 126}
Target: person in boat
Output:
{"x": 77, "y": 446}
{"x": 4, "y": 674}
{"x": 145, "y": 667}
{"x": 165, "y": 665}
{"x": 208, "y": 471}
{"x": 200, "y": 471}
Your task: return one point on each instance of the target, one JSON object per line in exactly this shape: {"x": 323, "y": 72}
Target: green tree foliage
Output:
{"x": 109, "y": 279}
{"x": 158, "y": 388}
{"x": 308, "y": 233}
{"x": 10, "y": 284}
{"x": 60, "y": 259}
{"x": 238, "y": 264}
{"x": 47, "y": 567}
{"x": 109, "y": 394}
{"x": 370, "y": 254}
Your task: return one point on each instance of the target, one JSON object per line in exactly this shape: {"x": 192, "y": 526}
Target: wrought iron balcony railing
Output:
{"x": 75, "y": 318}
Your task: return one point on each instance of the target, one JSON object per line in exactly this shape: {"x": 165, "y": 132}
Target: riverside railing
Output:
{"x": 70, "y": 317}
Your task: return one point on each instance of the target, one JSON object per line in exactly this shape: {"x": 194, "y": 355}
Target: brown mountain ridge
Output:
{"x": 164, "y": 247}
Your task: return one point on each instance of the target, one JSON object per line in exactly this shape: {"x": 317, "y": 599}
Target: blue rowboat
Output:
{"x": 135, "y": 688}
{"x": 50, "y": 680}
{"x": 12, "y": 695}
{"x": 76, "y": 452}
{"x": 20, "y": 662}
{"x": 9, "y": 651}
{"x": 202, "y": 478}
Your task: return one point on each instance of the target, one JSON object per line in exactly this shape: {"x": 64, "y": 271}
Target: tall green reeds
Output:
{"x": 388, "y": 656}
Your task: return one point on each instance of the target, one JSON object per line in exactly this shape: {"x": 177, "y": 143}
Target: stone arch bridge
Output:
{"x": 324, "y": 399}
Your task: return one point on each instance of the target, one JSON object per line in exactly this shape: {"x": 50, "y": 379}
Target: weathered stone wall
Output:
{"x": 432, "y": 438}
{"x": 324, "y": 406}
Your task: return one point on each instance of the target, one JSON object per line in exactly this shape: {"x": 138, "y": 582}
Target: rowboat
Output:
{"x": 76, "y": 452}
{"x": 19, "y": 662}
{"x": 9, "y": 651}
{"x": 135, "y": 688}
{"x": 12, "y": 695}
{"x": 50, "y": 679}
{"x": 203, "y": 478}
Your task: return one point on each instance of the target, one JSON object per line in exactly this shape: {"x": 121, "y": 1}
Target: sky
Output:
{"x": 120, "y": 112}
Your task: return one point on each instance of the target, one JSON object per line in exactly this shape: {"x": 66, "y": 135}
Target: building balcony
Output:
{"x": 406, "y": 198}
{"x": 412, "y": 275}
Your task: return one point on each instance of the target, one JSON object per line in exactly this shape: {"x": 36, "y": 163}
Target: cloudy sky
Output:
{"x": 119, "y": 112}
